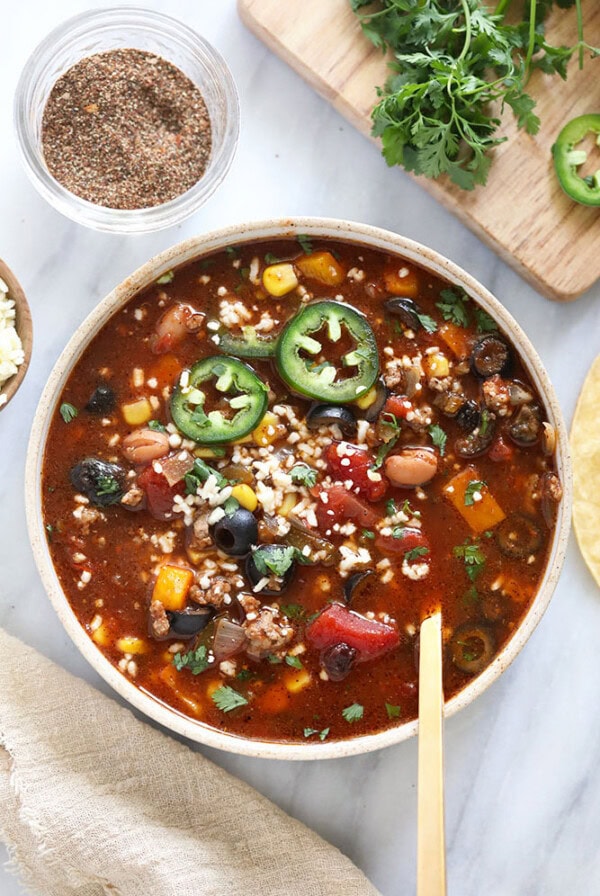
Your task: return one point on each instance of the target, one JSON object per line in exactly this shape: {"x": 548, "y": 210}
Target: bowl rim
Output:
{"x": 24, "y": 328}
{"x": 183, "y": 253}
{"x": 103, "y": 218}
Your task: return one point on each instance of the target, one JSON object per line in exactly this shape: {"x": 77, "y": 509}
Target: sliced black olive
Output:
{"x": 355, "y": 583}
{"x": 518, "y": 393}
{"x": 263, "y": 563}
{"x": 101, "y": 482}
{"x": 526, "y": 425}
{"x": 472, "y": 648}
{"x": 235, "y": 533}
{"x": 468, "y": 416}
{"x": 101, "y": 401}
{"x": 338, "y": 660}
{"x": 187, "y": 623}
{"x": 478, "y": 441}
{"x": 489, "y": 356}
{"x": 374, "y": 410}
{"x": 328, "y": 414}
{"x": 518, "y": 536}
{"x": 407, "y": 310}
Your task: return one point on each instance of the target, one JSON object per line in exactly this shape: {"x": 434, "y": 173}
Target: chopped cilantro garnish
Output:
{"x": 232, "y": 251}
{"x": 390, "y": 507}
{"x": 353, "y": 713}
{"x": 382, "y": 452}
{"x": 305, "y": 243}
{"x": 302, "y": 474}
{"x": 392, "y": 710}
{"x": 107, "y": 485}
{"x": 293, "y": 611}
{"x": 366, "y": 533}
{"x": 294, "y": 662}
{"x": 274, "y": 659}
{"x": 196, "y": 661}
{"x": 409, "y": 511}
{"x": 453, "y": 307}
{"x": 276, "y": 561}
{"x": 272, "y": 259}
{"x": 167, "y": 277}
{"x": 244, "y": 674}
{"x": 473, "y": 557}
{"x": 308, "y": 732}
{"x": 427, "y": 322}
{"x": 198, "y": 475}
{"x": 398, "y": 531}
{"x": 230, "y": 506}
{"x": 390, "y": 420}
{"x": 438, "y": 437}
{"x": 471, "y": 596}
{"x": 473, "y": 488}
{"x": 68, "y": 411}
{"x": 415, "y": 553}
{"x": 156, "y": 425}
{"x": 485, "y": 323}
{"x": 226, "y": 699}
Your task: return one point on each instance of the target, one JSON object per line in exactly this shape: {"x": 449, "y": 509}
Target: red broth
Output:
{"x": 436, "y": 486}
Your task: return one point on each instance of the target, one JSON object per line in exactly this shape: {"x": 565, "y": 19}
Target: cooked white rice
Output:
{"x": 11, "y": 348}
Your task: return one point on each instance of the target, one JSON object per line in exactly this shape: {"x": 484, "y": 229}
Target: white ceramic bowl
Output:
{"x": 180, "y": 254}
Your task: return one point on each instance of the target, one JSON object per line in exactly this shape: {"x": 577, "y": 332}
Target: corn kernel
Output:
{"x": 279, "y": 279}
{"x": 436, "y": 365}
{"x": 367, "y": 399}
{"x": 268, "y": 430}
{"x": 245, "y": 496}
{"x": 101, "y": 635}
{"x": 136, "y": 413}
{"x": 131, "y": 645}
{"x": 297, "y": 681}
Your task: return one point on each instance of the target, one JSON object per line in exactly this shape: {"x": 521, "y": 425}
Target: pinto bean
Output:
{"x": 411, "y": 467}
{"x": 144, "y": 445}
{"x": 173, "y": 326}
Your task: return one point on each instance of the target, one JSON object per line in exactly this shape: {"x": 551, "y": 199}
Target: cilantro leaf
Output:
{"x": 199, "y": 474}
{"x": 353, "y": 713}
{"x": 453, "y": 307}
{"x": 473, "y": 557}
{"x": 415, "y": 553}
{"x": 195, "y": 660}
{"x": 485, "y": 323}
{"x": 308, "y": 732}
{"x": 294, "y": 662}
{"x": 226, "y": 699}
{"x": 438, "y": 437}
{"x": 427, "y": 322}
{"x": 68, "y": 411}
{"x": 165, "y": 278}
{"x": 382, "y": 452}
{"x": 302, "y": 474}
{"x": 156, "y": 425}
{"x": 276, "y": 561}
{"x": 272, "y": 259}
{"x": 107, "y": 485}
{"x": 392, "y": 710}
{"x": 293, "y": 611}
{"x": 305, "y": 243}
{"x": 473, "y": 488}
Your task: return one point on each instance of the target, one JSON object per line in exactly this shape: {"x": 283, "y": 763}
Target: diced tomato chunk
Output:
{"x": 336, "y": 504}
{"x": 500, "y": 451}
{"x": 349, "y": 463}
{"x": 405, "y": 539}
{"x": 336, "y": 625}
{"x": 159, "y": 494}
{"x": 396, "y": 406}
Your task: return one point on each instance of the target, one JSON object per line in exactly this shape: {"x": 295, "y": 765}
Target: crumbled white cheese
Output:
{"x": 11, "y": 347}
{"x": 415, "y": 571}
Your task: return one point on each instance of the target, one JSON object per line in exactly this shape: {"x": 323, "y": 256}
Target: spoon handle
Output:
{"x": 431, "y": 850}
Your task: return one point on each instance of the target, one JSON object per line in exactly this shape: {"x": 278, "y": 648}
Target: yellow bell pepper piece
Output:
{"x": 172, "y": 586}
{"x": 481, "y": 515}
{"x": 321, "y": 266}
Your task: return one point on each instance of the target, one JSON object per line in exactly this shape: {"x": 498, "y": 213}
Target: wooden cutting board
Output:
{"x": 521, "y": 213}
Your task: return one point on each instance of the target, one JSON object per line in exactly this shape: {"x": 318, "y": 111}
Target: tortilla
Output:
{"x": 585, "y": 452}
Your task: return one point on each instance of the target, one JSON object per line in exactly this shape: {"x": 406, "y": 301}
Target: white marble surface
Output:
{"x": 523, "y": 786}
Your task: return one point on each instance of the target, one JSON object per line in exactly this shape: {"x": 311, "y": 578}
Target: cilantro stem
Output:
{"x": 531, "y": 44}
{"x": 467, "y": 43}
{"x": 580, "y": 31}
{"x": 502, "y": 7}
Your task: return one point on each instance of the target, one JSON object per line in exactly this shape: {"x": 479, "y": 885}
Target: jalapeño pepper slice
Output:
{"x": 567, "y": 160}
{"x": 247, "y": 345}
{"x": 307, "y": 361}
{"x": 241, "y": 389}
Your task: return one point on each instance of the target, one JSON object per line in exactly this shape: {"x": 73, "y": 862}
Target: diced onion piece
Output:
{"x": 229, "y": 639}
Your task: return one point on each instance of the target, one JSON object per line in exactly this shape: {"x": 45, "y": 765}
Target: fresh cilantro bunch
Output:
{"x": 456, "y": 67}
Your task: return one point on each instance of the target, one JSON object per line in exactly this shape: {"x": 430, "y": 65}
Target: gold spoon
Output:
{"x": 431, "y": 847}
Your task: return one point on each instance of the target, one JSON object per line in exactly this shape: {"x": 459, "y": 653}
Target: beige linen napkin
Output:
{"x": 95, "y": 803}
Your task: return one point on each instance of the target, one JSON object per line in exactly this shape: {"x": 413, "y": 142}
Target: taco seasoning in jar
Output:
{"x": 126, "y": 129}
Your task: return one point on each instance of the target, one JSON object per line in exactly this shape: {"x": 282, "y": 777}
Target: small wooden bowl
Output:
{"x": 24, "y": 328}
